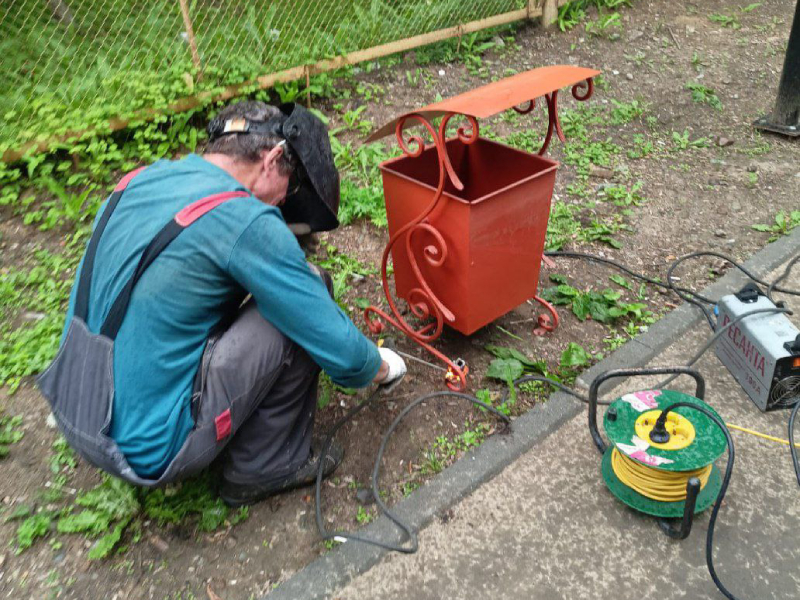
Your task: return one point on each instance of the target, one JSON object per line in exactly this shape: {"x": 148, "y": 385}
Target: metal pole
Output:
{"x": 785, "y": 117}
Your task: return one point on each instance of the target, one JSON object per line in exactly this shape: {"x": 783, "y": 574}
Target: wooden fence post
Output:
{"x": 549, "y": 13}
{"x": 187, "y": 22}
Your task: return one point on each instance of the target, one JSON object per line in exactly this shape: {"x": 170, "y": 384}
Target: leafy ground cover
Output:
{"x": 647, "y": 173}
{"x": 138, "y": 57}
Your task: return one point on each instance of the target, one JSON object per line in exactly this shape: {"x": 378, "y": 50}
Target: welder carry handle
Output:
{"x": 603, "y": 377}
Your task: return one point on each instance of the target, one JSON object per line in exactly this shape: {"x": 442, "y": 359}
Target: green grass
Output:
{"x": 626, "y": 112}
{"x": 641, "y": 148}
{"x": 584, "y": 156}
{"x": 606, "y": 26}
{"x": 363, "y": 516}
{"x": 342, "y": 268}
{"x": 731, "y": 21}
{"x": 445, "y": 450}
{"x": 781, "y": 226}
{"x": 606, "y": 306}
{"x": 621, "y": 195}
{"x": 511, "y": 364}
{"x": 573, "y": 13}
{"x": 114, "y": 511}
{"x": 681, "y": 141}
{"x": 9, "y": 433}
{"x": 136, "y": 58}
{"x": 41, "y": 287}
{"x": 565, "y": 227}
{"x": 704, "y": 95}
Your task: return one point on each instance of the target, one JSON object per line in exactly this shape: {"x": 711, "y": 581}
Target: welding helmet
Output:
{"x": 315, "y": 202}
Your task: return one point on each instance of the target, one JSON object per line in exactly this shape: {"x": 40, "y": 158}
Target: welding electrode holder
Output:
{"x": 693, "y": 485}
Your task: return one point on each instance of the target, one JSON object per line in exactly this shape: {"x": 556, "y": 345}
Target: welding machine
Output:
{"x": 762, "y": 352}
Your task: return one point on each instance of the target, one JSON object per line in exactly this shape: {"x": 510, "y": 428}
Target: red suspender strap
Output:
{"x": 195, "y": 210}
{"x": 163, "y": 238}
{"x": 123, "y": 183}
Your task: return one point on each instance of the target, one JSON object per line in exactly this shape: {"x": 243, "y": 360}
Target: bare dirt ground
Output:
{"x": 697, "y": 198}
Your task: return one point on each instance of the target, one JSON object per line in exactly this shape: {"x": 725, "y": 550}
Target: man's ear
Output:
{"x": 271, "y": 157}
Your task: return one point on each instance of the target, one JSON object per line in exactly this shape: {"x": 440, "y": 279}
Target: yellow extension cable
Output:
{"x": 761, "y": 435}
{"x": 664, "y": 486}
{"x": 667, "y": 486}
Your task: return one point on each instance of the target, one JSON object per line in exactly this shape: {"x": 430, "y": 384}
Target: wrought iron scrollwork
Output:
{"x": 581, "y": 91}
{"x": 422, "y": 300}
{"x": 588, "y": 84}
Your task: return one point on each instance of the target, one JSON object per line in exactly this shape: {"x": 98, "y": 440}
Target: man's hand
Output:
{"x": 392, "y": 370}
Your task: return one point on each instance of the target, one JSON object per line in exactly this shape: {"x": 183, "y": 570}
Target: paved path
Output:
{"x": 547, "y": 528}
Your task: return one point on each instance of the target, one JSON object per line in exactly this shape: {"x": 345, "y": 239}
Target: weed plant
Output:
{"x": 784, "y": 223}
{"x": 573, "y": 13}
{"x": 113, "y": 511}
{"x": 10, "y": 433}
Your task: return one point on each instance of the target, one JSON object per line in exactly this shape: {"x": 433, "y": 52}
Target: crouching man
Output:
{"x": 164, "y": 363}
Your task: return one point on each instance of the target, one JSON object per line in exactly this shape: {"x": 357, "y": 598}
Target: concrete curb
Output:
{"x": 336, "y": 568}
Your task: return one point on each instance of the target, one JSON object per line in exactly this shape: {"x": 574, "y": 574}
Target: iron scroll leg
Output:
{"x": 545, "y": 323}
{"x": 594, "y": 389}
{"x": 692, "y": 489}
{"x": 422, "y": 300}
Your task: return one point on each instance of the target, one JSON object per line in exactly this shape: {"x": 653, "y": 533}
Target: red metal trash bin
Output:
{"x": 493, "y": 229}
{"x": 467, "y": 215}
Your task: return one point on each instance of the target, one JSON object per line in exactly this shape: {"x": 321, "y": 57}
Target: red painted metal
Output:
{"x": 471, "y": 213}
{"x": 480, "y": 249}
{"x": 544, "y": 323}
{"x": 502, "y": 95}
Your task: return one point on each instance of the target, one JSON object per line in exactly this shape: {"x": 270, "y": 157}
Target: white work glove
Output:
{"x": 397, "y": 367}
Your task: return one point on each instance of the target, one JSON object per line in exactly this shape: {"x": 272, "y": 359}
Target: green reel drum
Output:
{"x": 701, "y": 449}
{"x": 691, "y": 445}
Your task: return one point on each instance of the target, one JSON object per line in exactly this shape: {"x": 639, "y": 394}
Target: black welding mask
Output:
{"x": 315, "y": 202}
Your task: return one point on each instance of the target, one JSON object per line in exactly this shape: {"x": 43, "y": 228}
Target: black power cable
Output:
{"x": 624, "y": 269}
{"x": 407, "y": 531}
{"x": 718, "y": 334}
{"x": 685, "y": 294}
{"x": 712, "y": 522}
{"x": 792, "y": 447}
{"x": 409, "y": 534}
{"x": 739, "y": 266}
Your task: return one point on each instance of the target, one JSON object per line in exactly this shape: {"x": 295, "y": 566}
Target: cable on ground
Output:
{"x": 688, "y": 296}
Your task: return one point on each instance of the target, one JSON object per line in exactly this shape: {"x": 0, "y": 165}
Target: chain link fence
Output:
{"x": 75, "y": 65}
